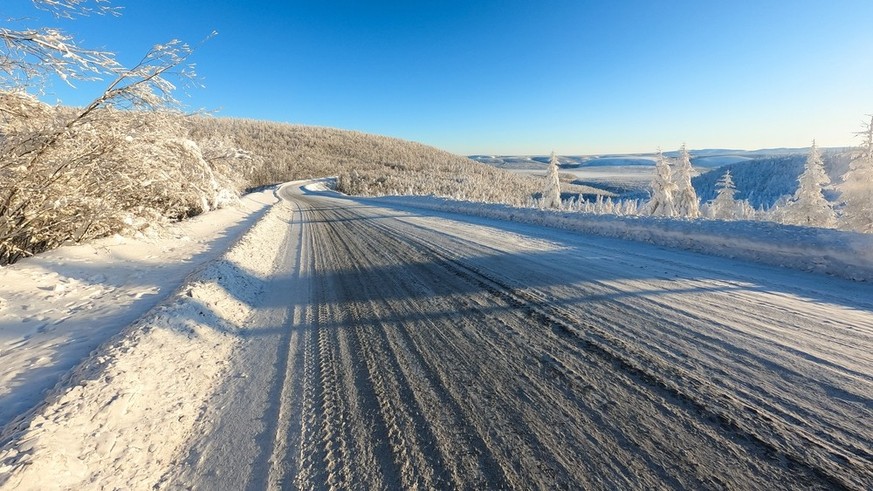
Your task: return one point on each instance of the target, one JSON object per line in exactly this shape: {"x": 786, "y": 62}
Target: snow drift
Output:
{"x": 838, "y": 253}
{"x": 100, "y": 426}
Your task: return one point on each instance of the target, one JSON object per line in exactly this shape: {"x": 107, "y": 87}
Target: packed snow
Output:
{"x": 838, "y": 253}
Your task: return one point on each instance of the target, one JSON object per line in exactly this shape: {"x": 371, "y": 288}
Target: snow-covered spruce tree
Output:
{"x": 724, "y": 206}
{"x": 808, "y": 206}
{"x": 856, "y": 190}
{"x": 552, "y": 192}
{"x": 686, "y": 203}
{"x": 663, "y": 189}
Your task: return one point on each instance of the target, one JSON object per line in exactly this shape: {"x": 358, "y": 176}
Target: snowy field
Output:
{"x": 369, "y": 341}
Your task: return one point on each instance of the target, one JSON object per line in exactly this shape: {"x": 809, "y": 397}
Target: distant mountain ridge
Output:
{"x": 707, "y": 158}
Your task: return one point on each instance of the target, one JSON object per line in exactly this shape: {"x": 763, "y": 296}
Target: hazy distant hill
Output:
{"x": 708, "y": 158}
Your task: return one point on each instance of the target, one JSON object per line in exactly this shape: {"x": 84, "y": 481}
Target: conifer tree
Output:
{"x": 663, "y": 189}
{"x": 856, "y": 190}
{"x": 686, "y": 202}
{"x": 552, "y": 193}
{"x": 724, "y": 206}
{"x": 809, "y": 207}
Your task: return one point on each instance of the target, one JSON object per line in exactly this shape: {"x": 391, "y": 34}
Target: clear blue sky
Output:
{"x": 524, "y": 77}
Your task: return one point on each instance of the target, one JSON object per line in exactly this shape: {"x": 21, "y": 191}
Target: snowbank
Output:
{"x": 120, "y": 418}
{"x": 59, "y": 306}
{"x": 844, "y": 254}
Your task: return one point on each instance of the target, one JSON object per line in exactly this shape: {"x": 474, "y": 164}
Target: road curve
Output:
{"x": 395, "y": 349}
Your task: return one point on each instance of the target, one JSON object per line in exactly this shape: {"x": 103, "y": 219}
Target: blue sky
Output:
{"x": 522, "y": 77}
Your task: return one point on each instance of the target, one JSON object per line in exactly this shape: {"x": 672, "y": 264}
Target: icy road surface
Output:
{"x": 398, "y": 350}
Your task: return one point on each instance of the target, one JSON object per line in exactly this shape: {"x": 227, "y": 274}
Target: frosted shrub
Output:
{"x": 112, "y": 172}
{"x": 121, "y": 161}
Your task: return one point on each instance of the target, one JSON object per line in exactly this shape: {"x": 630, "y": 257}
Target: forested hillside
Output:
{"x": 366, "y": 164}
{"x": 763, "y": 181}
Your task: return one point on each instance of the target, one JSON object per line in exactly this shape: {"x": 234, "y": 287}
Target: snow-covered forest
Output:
{"x": 365, "y": 164}
{"x": 830, "y": 189}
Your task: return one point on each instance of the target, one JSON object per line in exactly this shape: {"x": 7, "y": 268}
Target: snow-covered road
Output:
{"x": 393, "y": 349}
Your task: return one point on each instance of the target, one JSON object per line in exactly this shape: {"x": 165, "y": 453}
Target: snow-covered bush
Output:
{"x": 120, "y": 163}
{"x": 111, "y": 171}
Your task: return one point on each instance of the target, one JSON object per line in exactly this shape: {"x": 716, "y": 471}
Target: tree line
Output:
{"x": 673, "y": 195}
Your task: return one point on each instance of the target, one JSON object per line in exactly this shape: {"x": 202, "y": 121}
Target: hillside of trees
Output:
{"x": 367, "y": 165}
{"x": 74, "y": 174}
{"x": 830, "y": 190}
{"x": 763, "y": 181}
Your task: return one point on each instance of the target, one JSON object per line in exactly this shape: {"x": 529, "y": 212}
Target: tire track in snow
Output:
{"x": 732, "y": 419}
{"x": 425, "y": 364}
{"x": 506, "y": 428}
{"x": 400, "y": 422}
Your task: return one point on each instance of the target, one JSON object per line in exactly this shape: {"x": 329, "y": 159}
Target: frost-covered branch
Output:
{"x": 30, "y": 55}
{"x": 69, "y": 9}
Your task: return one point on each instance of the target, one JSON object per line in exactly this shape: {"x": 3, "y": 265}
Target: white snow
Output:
{"x": 118, "y": 419}
{"x": 838, "y": 253}
{"x": 59, "y": 306}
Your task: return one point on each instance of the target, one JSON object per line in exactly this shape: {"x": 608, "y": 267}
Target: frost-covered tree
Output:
{"x": 808, "y": 206}
{"x": 724, "y": 206}
{"x": 663, "y": 189}
{"x": 552, "y": 192}
{"x": 686, "y": 203}
{"x": 65, "y": 173}
{"x": 856, "y": 190}
{"x": 629, "y": 207}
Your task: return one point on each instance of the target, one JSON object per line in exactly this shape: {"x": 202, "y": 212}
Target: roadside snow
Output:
{"x": 59, "y": 306}
{"x": 120, "y": 418}
{"x": 844, "y": 254}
